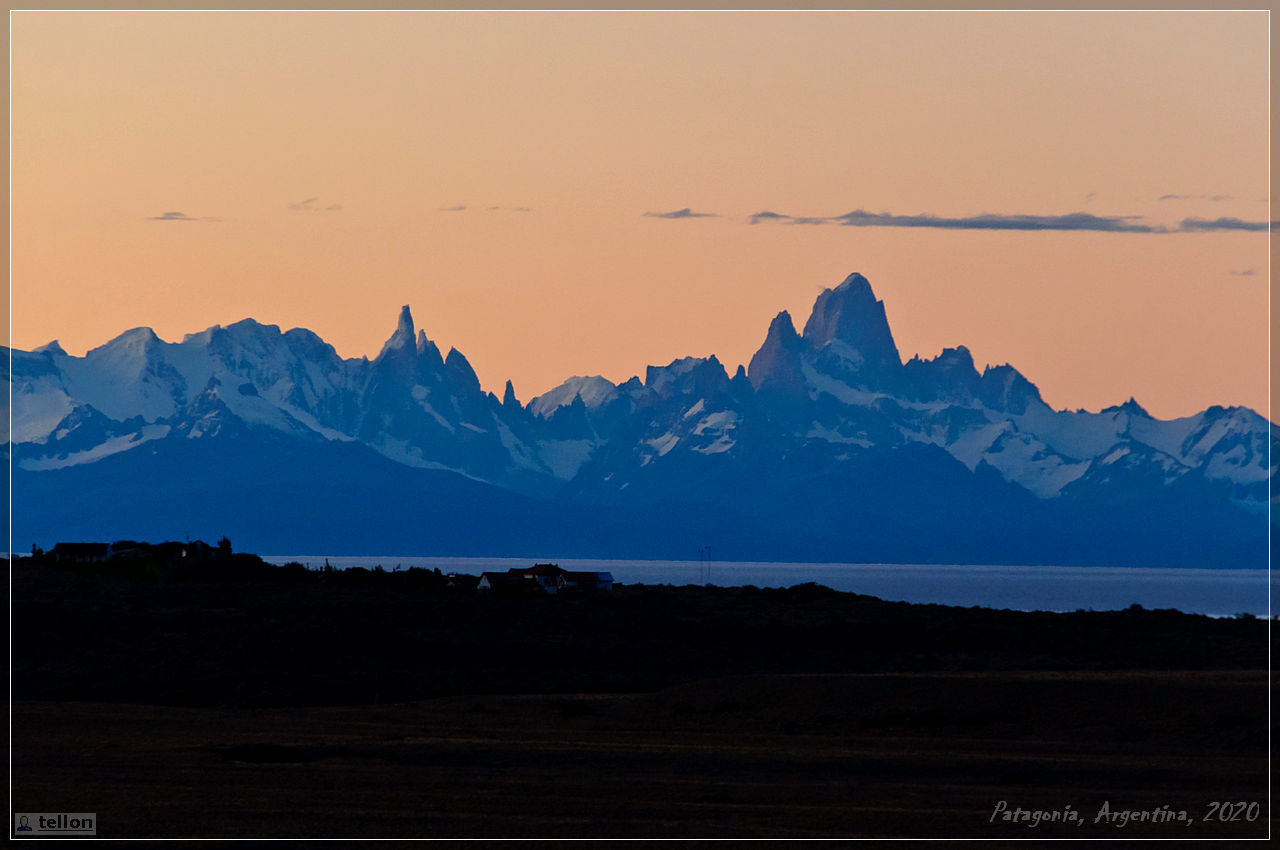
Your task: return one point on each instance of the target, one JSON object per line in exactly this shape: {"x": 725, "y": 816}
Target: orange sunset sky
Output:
{"x": 494, "y": 171}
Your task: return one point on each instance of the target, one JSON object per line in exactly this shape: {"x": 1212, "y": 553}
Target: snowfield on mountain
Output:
{"x": 827, "y": 446}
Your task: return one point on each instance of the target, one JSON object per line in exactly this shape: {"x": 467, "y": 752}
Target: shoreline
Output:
{"x": 1213, "y": 592}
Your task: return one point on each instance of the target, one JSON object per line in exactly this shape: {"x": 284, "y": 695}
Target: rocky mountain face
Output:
{"x": 826, "y": 447}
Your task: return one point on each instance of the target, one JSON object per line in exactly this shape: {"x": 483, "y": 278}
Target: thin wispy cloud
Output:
{"x": 491, "y": 208}
{"x": 1204, "y": 224}
{"x": 312, "y": 205}
{"x": 179, "y": 216}
{"x": 1195, "y": 198}
{"x": 684, "y": 213}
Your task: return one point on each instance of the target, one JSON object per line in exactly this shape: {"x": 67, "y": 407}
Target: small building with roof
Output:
{"x": 543, "y": 578}
{"x": 80, "y": 553}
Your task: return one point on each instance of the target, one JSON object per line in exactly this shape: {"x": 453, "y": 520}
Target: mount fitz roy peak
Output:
{"x": 827, "y": 447}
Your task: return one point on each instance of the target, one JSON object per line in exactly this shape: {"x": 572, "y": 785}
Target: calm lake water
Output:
{"x": 1214, "y": 592}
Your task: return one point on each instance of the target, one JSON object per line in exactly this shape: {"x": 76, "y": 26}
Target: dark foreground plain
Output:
{"x": 263, "y": 703}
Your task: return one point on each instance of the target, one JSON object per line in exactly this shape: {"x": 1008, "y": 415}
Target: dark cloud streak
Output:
{"x": 988, "y": 221}
{"x": 1076, "y": 221}
{"x": 684, "y": 213}
{"x": 1204, "y": 225}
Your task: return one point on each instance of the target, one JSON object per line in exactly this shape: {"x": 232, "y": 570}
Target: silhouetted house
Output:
{"x": 543, "y": 578}
{"x": 81, "y": 553}
{"x": 546, "y": 575}
{"x": 131, "y": 549}
{"x": 507, "y": 584}
{"x": 174, "y": 550}
{"x": 455, "y": 581}
{"x": 585, "y": 580}
{"x": 171, "y": 551}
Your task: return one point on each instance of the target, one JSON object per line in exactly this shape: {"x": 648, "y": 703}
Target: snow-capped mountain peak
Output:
{"x": 848, "y": 333}
{"x": 851, "y": 312}
{"x": 818, "y": 435}
{"x": 592, "y": 389}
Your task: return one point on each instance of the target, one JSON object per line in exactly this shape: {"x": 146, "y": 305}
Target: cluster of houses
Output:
{"x": 517, "y": 581}
{"x": 542, "y": 578}
{"x": 93, "y": 553}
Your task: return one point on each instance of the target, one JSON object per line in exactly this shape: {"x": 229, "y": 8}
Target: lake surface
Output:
{"x": 1214, "y": 592}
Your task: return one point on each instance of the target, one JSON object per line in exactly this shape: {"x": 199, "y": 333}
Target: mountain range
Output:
{"x": 826, "y": 447}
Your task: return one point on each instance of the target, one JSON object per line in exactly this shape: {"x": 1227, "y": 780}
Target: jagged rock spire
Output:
{"x": 403, "y": 338}
{"x": 777, "y": 363}
{"x": 458, "y": 366}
